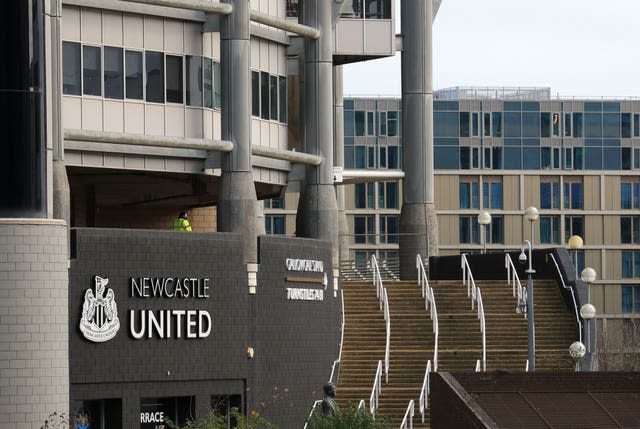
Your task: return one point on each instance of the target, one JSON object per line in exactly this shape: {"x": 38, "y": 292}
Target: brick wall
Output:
{"x": 34, "y": 359}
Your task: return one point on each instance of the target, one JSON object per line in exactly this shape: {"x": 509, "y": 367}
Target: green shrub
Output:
{"x": 349, "y": 418}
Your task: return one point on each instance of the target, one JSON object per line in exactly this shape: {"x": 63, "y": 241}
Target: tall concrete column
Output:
{"x": 318, "y": 208}
{"x": 418, "y": 222}
{"x": 237, "y": 196}
{"x": 338, "y": 153}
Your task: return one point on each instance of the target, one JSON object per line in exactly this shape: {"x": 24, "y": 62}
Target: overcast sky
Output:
{"x": 576, "y": 47}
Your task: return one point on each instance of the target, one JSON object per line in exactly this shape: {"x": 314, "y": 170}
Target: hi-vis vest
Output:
{"x": 181, "y": 225}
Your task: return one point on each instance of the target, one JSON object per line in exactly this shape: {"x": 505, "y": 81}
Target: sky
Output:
{"x": 584, "y": 48}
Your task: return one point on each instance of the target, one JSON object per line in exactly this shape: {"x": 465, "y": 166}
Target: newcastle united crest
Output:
{"x": 99, "y": 321}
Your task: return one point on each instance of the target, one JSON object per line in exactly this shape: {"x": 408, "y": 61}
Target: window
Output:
{"x": 636, "y": 124}
{"x": 549, "y": 195}
{"x": 630, "y": 195}
{"x": 545, "y": 124}
{"x": 382, "y": 120}
{"x": 469, "y": 195}
{"x": 91, "y": 70}
{"x": 360, "y": 122}
{"x": 388, "y": 195}
{"x": 364, "y": 195}
{"x": 573, "y": 225}
{"x": 377, "y": 9}
{"x": 113, "y": 73}
{"x": 255, "y": 92}
{"x": 371, "y": 125}
{"x": 549, "y": 157}
{"x": 630, "y": 229}
{"x": 174, "y": 79}
{"x": 494, "y": 232}
{"x": 573, "y": 195}
{"x": 364, "y": 229}
{"x": 101, "y": 413}
{"x": 573, "y": 158}
{"x": 492, "y": 195}
{"x": 217, "y": 91}
{"x": 625, "y": 125}
{"x": 630, "y": 264}
{"x": 469, "y": 229}
{"x": 133, "y": 69}
{"x": 549, "y": 229}
{"x": 274, "y": 203}
{"x": 464, "y": 124}
{"x": 194, "y": 75}
{"x": 475, "y": 124}
{"x": 577, "y": 125}
{"x": 493, "y": 157}
{"x": 555, "y": 125}
{"x": 273, "y": 97}
{"x": 392, "y": 123}
{"x": 487, "y": 125}
{"x": 469, "y": 157}
{"x": 264, "y": 95}
{"x": 154, "y": 66}
{"x": 178, "y": 409}
{"x": 71, "y": 77}
{"x": 567, "y": 125}
{"x": 282, "y": 98}
{"x": 631, "y": 299}
{"x": 274, "y": 224}
{"x": 389, "y": 228}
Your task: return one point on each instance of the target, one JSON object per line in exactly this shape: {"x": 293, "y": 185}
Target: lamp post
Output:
{"x": 575, "y": 243}
{"x": 484, "y": 219}
{"x": 531, "y": 328}
{"x": 588, "y": 312}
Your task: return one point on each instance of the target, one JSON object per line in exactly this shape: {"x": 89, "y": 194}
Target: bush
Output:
{"x": 349, "y": 418}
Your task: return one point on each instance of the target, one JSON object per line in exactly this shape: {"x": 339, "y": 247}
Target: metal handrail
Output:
{"x": 337, "y": 361}
{"x": 526, "y": 366}
{"x": 381, "y": 292}
{"x": 573, "y": 297}
{"x": 408, "y": 417}
{"x": 362, "y": 406}
{"x": 519, "y": 291}
{"x": 424, "y": 393}
{"x": 476, "y": 297}
{"x": 313, "y": 408}
{"x": 375, "y": 391}
{"x": 427, "y": 294}
{"x": 478, "y": 366}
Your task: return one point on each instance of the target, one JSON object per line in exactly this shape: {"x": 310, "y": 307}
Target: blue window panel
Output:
{"x": 513, "y": 142}
{"x": 593, "y": 142}
{"x": 349, "y": 161}
{"x": 513, "y": 106}
{"x": 446, "y": 158}
{"x": 625, "y": 126}
{"x": 625, "y": 195}
{"x": 349, "y": 123}
{"x": 445, "y": 124}
{"x": 578, "y": 130}
{"x": 496, "y": 195}
{"x": 611, "y": 158}
{"x": 446, "y": 141}
{"x": 393, "y": 158}
{"x": 531, "y": 142}
{"x": 611, "y": 125}
{"x": 468, "y": 229}
{"x": 530, "y": 106}
{"x": 611, "y": 142}
{"x": 578, "y": 158}
{"x": 625, "y": 229}
{"x": 627, "y": 299}
{"x": 497, "y": 229}
{"x": 636, "y": 195}
{"x": 636, "y": 264}
{"x": 531, "y": 124}
{"x": 626, "y": 158}
{"x": 636, "y": 299}
{"x": 348, "y": 104}
{"x": 627, "y": 264}
{"x": 593, "y": 106}
{"x": 465, "y": 157}
{"x": 545, "y": 157}
{"x": 531, "y": 158}
{"x": 512, "y": 158}
{"x": 545, "y": 195}
{"x": 348, "y": 141}
{"x": 392, "y": 195}
{"x": 593, "y": 158}
{"x": 549, "y": 229}
{"x": 360, "y": 195}
{"x": 360, "y": 157}
{"x": 445, "y": 105}
{"x": 359, "y": 122}
{"x": 464, "y": 124}
{"x": 611, "y": 106}
{"x": 278, "y": 225}
{"x": 496, "y": 124}
{"x": 545, "y": 124}
{"x": 593, "y": 125}
{"x": 512, "y": 124}
{"x": 496, "y": 158}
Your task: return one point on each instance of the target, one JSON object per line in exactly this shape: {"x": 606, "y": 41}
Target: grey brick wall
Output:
{"x": 34, "y": 358}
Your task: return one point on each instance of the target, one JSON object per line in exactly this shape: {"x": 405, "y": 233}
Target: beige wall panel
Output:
{"x": 114, "y": 116}
{"x": 153, "y": 33}
{"x": 511, "y": 192}
{"x": 531, "y": 194}
{"x": 134, "y": 161}
{"x": 91, "y": 26}
{"x": 591, "y": 192}
{"x": 614, "y": 265}
{"x": 154, "y": 163}
{"x": 349, "y": 36}
{"x": 154, "y": 119}
{"x": 612, "y": 299}
{"x": 193, "y": 39}
{"x": 92, "y": 159}
{"x": 282, "y": 61}
{"x": 274, "y": 138}
{"x": 597, "y": 297}
{"x": 112, "y": 29}
{"x": 283, "y": 137}
{"x": 217, "y": 127}
{"x": 290, "y": 224}
{"x": 273, "y": 58}
{"x": 215, "y": 41}
{"x": 254, "y": 4}
{"x": 263, "y": 138}
{"x": 447, "y": 192}
{"x": 255, "y": 53}
{"x": 513, "y": 230}
{"x": 448, "y": 227}
{"x": 91, "y": 114}
{"x": 207, "y": 49}
{"x": 264, "y": 55}
{"x": 193, "y": 123}
{"x": 70, "y": 23}
{"x": 612, "y": 193}
{"x": 72, "y": 112}
{"x": 611, "y": 229}
{"x": 207, "y": 124}
{"x": 173, "y": 36}
{"x": 275, "y": 9}
{"x": 349, "y": 196}
{"x": 379, "y": 36}
{"x": 193, "y": 165}
{"x": 114, "y": 160}
{"x": 593, "y": 229}
{"x": 449, "y": 252}
{"x": 592, "y": 258}
{"x": 134, "y": 118}
{"x": 174, "y": 121}
{"x": 255, "y": 131}
{"x": 173, "y": 164}
{"x": 133, "y": 31}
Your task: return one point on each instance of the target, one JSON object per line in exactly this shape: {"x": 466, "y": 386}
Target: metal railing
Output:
{"x": 313, "y": 408}
{"x": 375, "y": 391}
{"x": 519, "y": 292}
{"x": 476, "y": 298}
{"x": 381, "y": 293}
{"x": 407, "y": 421}
{"x": 362, "y": 406}
{"x": 337, "y": 361}
{"x": 427, "y": 294}
{"x": 573, "y": 297}
{"x": 424, "y": 392}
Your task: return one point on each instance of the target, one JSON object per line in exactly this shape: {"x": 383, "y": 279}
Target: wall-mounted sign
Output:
{"x": 307, "y": 265}
{"x": 305, "y": 294}
{"x": 99, "y": 321}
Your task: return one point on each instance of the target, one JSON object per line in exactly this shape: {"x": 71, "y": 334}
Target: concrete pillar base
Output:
{"x": 237, "y": 210}
{"x": 418, "y": 236}
{"x": 318, "y": 216}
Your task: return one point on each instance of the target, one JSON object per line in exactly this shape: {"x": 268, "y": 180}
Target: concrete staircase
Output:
{"x": 460, "y": 340}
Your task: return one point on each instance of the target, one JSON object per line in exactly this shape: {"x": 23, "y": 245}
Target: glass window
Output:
{"x": 360, "y": 122}
{"x": 573, "y": 195}
{"x": 545, "y": 124}
{"x": 593, "y": 125}
{"x": 273, "y": 97}
{"x": 371, "y": 124}
{"x": 512, "y": 158}
{"x": 495, "y": 230}
{"x": 469, "y": 195}
{"x": 391, "y": 195}
{"x": 567, "y": 124}
{"x": 630, "y": 229}
{"x": 496, "y": 122}
{"x": 348, "y": 123}
{"x": 113, "y": 73}
{"x": 91, "y": 70}
{"x": 255, "y": 91}
{"x": 393, "y": 158}
{"x": 217, "y": 90}
{"x": 389, "y": 228}
{"x": 371, "y": 157}
{"x": 178, "y": 409}
{"x": 274, "y": 203}
{"x": 96, "y": 414}
{"x": 360, "y": 157}
{"x": 630, "y": 264}
{"x": 154, "y": 66}
{"x": 383, "y": 157}
{"x": 549, "y": 195}
{"x": 487, "y": 124}
{"x": 636, "y": 124}
{"x": 611, "y": 158}
{"x": 631, "y": 299}
{"x": 194, "y": 80}
{"x": 496, "y": 158}
{"x": 274, "y": 224}
{"x": 446, "y": 158}
{"x": 573, "y": 225}
{"x": 512, "y": 124}
{"x": 71, "y": 77}
{"x": 264, "y": 95}
{"x": 392, "y": 121}
{"x": 383, "y": 124}
{"x": 555, "y": 125}
{"x": 468, "y": 229}
{"x": 464, "y": 124}
{"x": 531, "y": 158}
{"x": 207, "y": 85}
{"x": 625, "y": 125}
{"x": 475, "y": 124}
{"x": 530, "y": 124}
{"x": 627, "y": 158}
{"x": 492, "y": 195}
{"x": 611, "y": 125}
{"x": 364, "y": 229}
{"x": 283, "y": 99}
{"x": 445, "y": 124}
{"x": 465, "y": 157}
{"x": 630, "y": 195}
{"x": 174, "y": 79}
{"x": 133, "y": 67}
{"x": 550, "y": 229}
{"x": 577, "y": 125}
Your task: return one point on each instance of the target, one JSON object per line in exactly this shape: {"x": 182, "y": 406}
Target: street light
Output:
{"x": 531, "y": 328}
{"x": 588, "y": 311}
{"x": 575, "y": 242}
{"x": 484, "y": 219}
{"x": 531, "y": 213}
